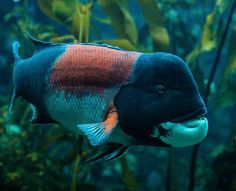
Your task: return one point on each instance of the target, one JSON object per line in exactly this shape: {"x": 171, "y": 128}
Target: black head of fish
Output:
{"x": 161, "y": 98}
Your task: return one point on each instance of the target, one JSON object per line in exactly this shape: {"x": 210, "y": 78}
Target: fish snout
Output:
{"x": 186, "y": 133}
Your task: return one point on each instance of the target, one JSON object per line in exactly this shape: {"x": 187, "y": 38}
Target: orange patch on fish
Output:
{"x": 87, "y": 68}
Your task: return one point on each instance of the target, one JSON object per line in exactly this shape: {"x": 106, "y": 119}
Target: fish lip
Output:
{"x": 196, "y": 114}
{"x": 195, "y": 122}
{"x": 183, "y": 131}
{"x": 184, "y": 134}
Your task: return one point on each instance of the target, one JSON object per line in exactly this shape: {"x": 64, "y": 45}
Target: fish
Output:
{"x": 114, "y": 97}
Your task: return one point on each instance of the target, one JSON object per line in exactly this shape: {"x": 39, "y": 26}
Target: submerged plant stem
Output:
{"x": 81, "y": 28}
{"x": 87, "y": 28}
{"x": 191, "y": 185}
{"x": 75, "y": 173}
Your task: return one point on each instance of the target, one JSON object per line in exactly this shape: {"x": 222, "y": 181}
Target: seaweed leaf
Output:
{"x": 227, "y": 93}
{"x": 62, "y": 10}
{"x": 155, "y": 24}
{"x": 46, "y": 7}
{"x": 130, "y": 182}
{"x": 231, "y": 68}
{"x": 61, "y": 39}
{"x": 208, "y": 40}
{"x": 121, "y": 19}
{"x": 81, "y": 22}
{"x": 76, "y": 151}
{"x": 222, "y": 5}
{"x": 210, "y": 34}
{"x": 73, "y": 14}
{"x": 75, "y": 174}
{"x": 122, "y": 43}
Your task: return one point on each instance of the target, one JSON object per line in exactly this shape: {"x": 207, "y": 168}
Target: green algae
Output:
{"x": 31, "y": 156}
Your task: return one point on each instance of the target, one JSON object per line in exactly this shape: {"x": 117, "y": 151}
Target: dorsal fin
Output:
{"x": 41, "y": 44}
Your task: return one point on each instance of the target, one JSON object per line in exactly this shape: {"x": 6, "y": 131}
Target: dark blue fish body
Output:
{"x": 30, "y": 79}
{"x": 112, "y": 95}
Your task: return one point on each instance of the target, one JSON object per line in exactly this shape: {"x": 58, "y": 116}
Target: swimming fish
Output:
{"x": 112, "y": 96}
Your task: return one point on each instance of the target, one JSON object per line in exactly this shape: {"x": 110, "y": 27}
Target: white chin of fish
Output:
{"x": 186, "y": 133}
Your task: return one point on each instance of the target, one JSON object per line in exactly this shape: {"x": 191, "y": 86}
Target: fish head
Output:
{"x": 161, "y": 104}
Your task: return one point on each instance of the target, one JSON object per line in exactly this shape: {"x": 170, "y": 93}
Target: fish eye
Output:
{"x": 160, "y": 89}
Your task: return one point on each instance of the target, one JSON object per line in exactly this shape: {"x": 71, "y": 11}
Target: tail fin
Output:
{"x": 13, "y": 98}
{"x": 15, "y": 47}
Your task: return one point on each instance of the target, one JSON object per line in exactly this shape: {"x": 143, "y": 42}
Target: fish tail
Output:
{"x": 15, "y": 48}
{"x": 13, "y": 98}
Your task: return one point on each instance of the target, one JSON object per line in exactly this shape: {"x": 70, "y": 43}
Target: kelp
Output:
{"x": 26, "y": 154}
{"x": 75, "y": 174}
{"x": 207, "y": 90}
{"x": 211, "y": 32}
{"x": 22, "y": 160}
{"x": 208, "y": 40}
{"x": 26, "y": 24}
{"x": 129, "y": 180}
{"x": 223, "y": 168}
{"x": 59, "y": 10}
{"x": 46, "y": 8}
{"x": 155, "y": 22}
{"x": 122, "y": 43}
{"x": 120, "y": 18}
{"x": 75, "y": 15}
{"x": 222, "y": 5}
{"x": 65, "y": 38}
{"x": 124, "y": 25}
{"x": 49, "y": 158}
{"x": 75, "y": 152}
{"x": 227, "y": 93}
{"x": 231, "y": 67}
{"x": 81, "y": 22}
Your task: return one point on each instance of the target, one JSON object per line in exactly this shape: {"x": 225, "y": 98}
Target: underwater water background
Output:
{"x": 47, "y": 157}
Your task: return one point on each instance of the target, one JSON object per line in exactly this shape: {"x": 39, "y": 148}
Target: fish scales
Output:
{"x": 86, "y": 78}
{"x": 91, "y": 69}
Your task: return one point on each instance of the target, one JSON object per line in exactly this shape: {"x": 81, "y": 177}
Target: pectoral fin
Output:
{"x": 98, "y": 133}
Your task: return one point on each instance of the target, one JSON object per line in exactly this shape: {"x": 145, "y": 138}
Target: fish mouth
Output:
{"x": 198, "y": 113}
{"x": 184, "y": 131}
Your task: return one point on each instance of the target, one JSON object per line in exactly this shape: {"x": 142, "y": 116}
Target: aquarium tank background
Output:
{"x": 47, "y": 157}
